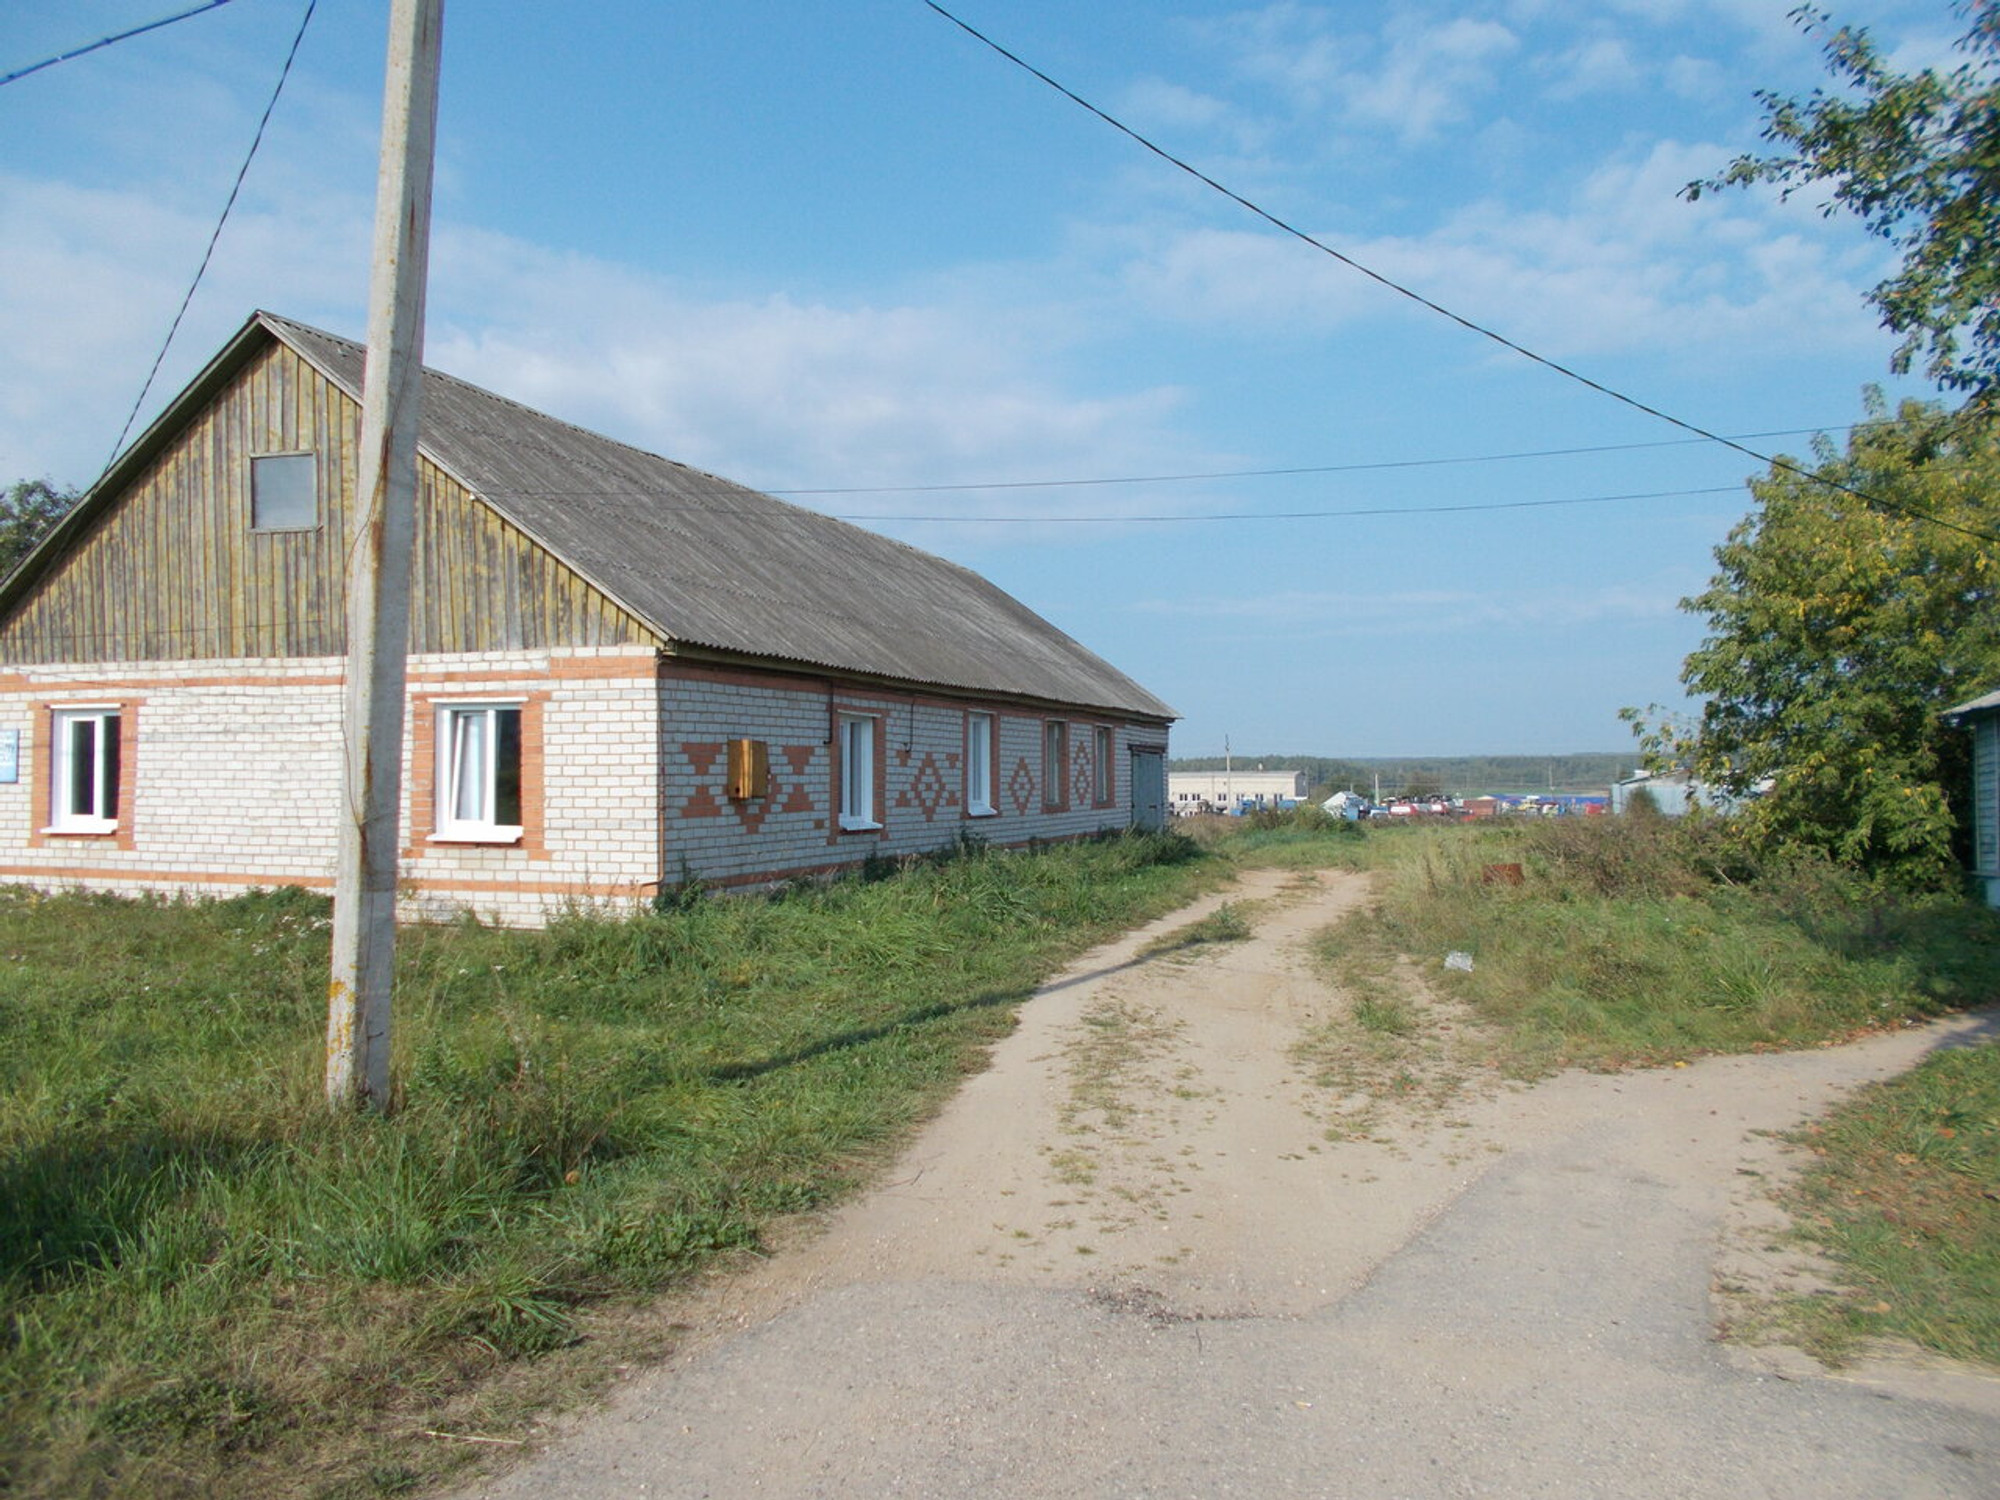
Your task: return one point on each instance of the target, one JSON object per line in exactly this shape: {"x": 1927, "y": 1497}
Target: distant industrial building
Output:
{"x": 1226, "y": 791}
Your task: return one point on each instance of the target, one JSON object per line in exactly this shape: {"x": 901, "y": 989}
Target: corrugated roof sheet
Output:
{"x": 1989, "y": 700}
{"x": 710, "y": 563}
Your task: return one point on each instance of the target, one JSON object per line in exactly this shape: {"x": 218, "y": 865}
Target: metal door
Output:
{"x": 1149, "y": 790}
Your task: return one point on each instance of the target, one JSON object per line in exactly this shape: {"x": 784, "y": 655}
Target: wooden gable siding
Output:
{"x": 171, "y": 570}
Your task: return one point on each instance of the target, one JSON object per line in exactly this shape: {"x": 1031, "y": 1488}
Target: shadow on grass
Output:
{"x": 862, "y": 1036}
{"x": 75, "y": 1202}
{"x": 1950, "y": 949}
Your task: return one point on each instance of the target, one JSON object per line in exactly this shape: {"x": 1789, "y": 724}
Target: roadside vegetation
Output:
{"x": 212, "y": 1285}
{"x": 1904, "y": 1196}
{"x": 1520, "y": 948}
{"x": 1637, "y": 941}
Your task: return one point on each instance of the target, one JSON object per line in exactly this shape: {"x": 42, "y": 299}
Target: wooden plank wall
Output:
{"x": 172, "y": 570}
{"x": 1986, "y": 794}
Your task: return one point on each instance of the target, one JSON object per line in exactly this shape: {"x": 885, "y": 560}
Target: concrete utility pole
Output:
{"x": 378, "y": 581}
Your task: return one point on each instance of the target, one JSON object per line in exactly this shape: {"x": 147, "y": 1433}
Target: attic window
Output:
{"x": 284, "y": 492}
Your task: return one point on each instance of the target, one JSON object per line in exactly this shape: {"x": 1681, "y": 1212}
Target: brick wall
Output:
{"x": 231, "y": 778}
{"x": 920, "y": 776}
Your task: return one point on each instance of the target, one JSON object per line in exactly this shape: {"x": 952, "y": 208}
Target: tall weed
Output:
{"x": 1642, "y": 940}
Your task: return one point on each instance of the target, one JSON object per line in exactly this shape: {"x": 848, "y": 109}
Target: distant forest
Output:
{"x": 1457, "y": 775}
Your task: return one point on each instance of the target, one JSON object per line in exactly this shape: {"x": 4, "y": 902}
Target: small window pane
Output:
{"x": 107, "y": 765}
{"x": 469, "y": 767}
{"x": 857, "y": 773}
{"x": 507, "y": 767}
{"x": 83, "y": 767}
{"x": 979, "y": 763}
{"x": 284, "y": 492}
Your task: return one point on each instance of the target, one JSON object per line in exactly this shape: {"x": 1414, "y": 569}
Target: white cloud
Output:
{"x": 776, "y": 391}
{"x": 1419, "y": 75}
{"x": 1429, "y": 75}
{"x": 94, "y": 278}
{"x": 768, "y": 389}
{"x": 1602, "y": 65}
{"x": 1151, "y": 103}
{"x": 1625, "y": 265}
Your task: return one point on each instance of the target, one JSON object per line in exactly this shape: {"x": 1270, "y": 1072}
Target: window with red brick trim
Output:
{"x": 84, "y": 770}
{"x": 478, "y": 772}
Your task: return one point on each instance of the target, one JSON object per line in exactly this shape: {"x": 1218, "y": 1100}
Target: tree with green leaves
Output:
{"x": 1917, "y": 158}
{"x": 1840, "y": 628}
{"x": 27, "y": 510}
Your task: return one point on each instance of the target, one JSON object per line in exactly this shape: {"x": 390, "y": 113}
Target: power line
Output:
{"x": 1376, "y": 465}
{"x": 1442, "y": 311}
{"x": 1307, "y": 515}
{"x": 1129, "y": 520}
{"x": 61, "y": 57}
{"x": 209, "y": 254}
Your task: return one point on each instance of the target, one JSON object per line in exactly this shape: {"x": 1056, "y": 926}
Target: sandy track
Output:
{"x": 1130, "y": 1258}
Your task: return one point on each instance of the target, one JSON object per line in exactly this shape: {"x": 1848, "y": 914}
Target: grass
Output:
{"x": 1633, "y": 943}
{"x": 209, "y": 1284}
{"x": 1904, "y": 1196}
{"x": 1301, "y": 838}
{"x": 1226, "y": 924}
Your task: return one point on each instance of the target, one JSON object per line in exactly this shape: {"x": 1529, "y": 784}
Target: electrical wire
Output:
{"x": 209, "y": 254}
{"x": 1305, "y": 515}
{"x": 1361, "y": 468}
{"x": 62, "y": 57}
{"x": 1436, "y": 307}
{"x": 1130, "y": 520}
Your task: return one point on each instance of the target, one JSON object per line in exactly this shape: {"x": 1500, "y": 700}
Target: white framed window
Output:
{"x": 857, "y": 774}
{"x": 979, "y": 801}
{"x": 284, "y": 492}
{"x": 1103, "y": 742}
{"x": 479, "y": 772}
{"x": 83, "y": 770}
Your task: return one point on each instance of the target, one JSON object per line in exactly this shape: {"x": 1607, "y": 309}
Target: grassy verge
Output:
{"x": 1637, "y": 942}
{"x": 212, "y": 1286}
{"x": 1634, "y": 942}
{"x": 1904, "y": 1196}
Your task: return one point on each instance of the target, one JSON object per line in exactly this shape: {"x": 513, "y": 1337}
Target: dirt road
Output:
{"x": 1145, "y": 1254}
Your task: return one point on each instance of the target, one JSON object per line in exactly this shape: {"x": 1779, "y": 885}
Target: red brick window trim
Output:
{"x": 451, "y": 738}
{"x": 83, "y": 771}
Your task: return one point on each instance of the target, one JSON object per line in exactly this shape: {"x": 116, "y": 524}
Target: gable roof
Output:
{"x": 702, "y": 561}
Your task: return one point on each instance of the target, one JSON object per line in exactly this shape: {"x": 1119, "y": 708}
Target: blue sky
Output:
{"x": 823, "y": 247}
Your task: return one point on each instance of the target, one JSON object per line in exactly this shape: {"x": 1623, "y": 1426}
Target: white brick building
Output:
{"x": 624, "y": 674}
